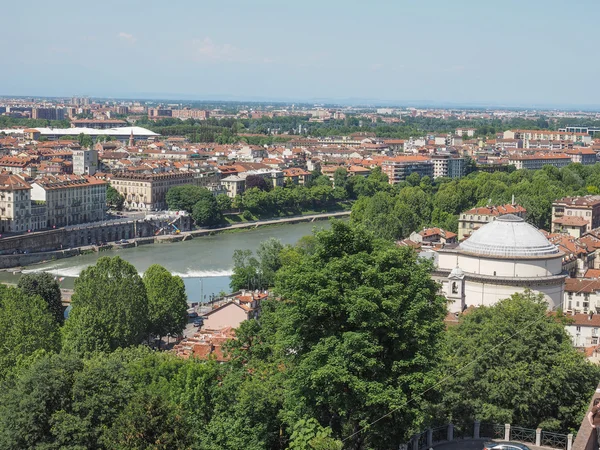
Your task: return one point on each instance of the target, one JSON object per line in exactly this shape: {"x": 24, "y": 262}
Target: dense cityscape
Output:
{"x": 353, "y": 227}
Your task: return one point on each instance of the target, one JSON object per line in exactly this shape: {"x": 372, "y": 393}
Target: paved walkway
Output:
{"x": 474, "y": 444}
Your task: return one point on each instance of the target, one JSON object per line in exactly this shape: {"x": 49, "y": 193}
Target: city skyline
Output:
{"x": 511, "y": 54}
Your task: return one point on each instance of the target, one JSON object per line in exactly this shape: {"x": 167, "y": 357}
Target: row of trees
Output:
{"x": 111, "y": 307}
{"x": 352, "y": 353}
{"x": 227, "y": 131}
{"x": 421, "y": 202}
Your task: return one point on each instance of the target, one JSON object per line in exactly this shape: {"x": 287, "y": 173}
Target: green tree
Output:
{"x": 340, "y": 177}
{"x": 269, "y": 255}
{"x": 30, "y": 398}
{"x": 109, "y": 308}
{"x": 246, "y": 270}
{"x": 206, "y": 212}
{"x": 167, "y": 302}
{"x": 44, "y": 285}
{"x": 223, "y": 202}
{"x": 183, "y": 198}
{"x": 26, "y": 325}
{"x": 149, "y": 421}
{"x": 514, "y": 363}
{"x": 114, "y": 199}
{"x": 85, "y": 140}
{"x": 358, "y": 330}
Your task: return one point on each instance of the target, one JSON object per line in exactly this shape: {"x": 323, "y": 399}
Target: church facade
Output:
{"x": 501, "y": 258}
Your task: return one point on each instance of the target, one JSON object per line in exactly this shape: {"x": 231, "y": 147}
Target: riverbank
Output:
{"x": 16, "y": 262}
{"x": 205, "y": 264}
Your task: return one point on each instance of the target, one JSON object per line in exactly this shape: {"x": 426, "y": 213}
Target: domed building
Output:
{"x": 501, "y": 258}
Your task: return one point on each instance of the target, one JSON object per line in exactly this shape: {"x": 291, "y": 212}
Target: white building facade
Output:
{"x": 503, "y": 257}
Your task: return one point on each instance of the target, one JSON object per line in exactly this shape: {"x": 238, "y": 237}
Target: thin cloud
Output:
{"x": 126, "y": 37}
{"x": 206, "y": 50}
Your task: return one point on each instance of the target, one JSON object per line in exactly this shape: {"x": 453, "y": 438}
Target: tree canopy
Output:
{"x": 358, "y": 332}
{"x": 514, "y": 363}
{"x": 167, "y": 302}
{"x": 109, "y": 308}
{"x": 44, "y": 285}
{"x": 26, "y": 326}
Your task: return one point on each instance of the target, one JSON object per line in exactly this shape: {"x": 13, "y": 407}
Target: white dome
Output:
{"x": 508, "y": 236}
{"x": 457, "y": 272}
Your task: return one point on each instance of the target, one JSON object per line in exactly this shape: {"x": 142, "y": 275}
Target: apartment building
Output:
{"x": 200, "y": 114}
{"x": 70, "y": 199}
{"x": 585, "y": 156}
{"x": 15, "y": 203}
{"x": 85, "y": 162}
{"x": 539, "y": 160}
{"x": 446, "y": 165}
{"x": 147, "y": 192}
{"x": 576, "y": 215}
{"x": 48, "y": 113}
{"x": 547, "y": 135}
{"x": 471, "y": 220}
{"x": 400, "y": 167}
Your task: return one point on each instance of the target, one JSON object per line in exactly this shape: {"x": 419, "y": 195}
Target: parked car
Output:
{"x": 198, "y": 322}
{"x": 123, "y": 241}
{"x": 192, "y": 315}
{"x": 504, "y": 446}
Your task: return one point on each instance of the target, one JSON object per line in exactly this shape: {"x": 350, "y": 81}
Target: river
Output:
{"x": 204, "y": 263}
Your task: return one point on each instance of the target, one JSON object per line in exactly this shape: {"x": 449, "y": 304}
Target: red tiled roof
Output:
{"x": 576, "y": 221}
{"x": 497, "y": 210}
{"x": 582, "y": 285}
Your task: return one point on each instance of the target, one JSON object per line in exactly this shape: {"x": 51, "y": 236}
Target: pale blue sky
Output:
{"x": 510, "y": 52}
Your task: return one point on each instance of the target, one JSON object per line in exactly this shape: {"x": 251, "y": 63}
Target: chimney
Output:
{"x": 591, "y": 315}
{"x": 513, "y": 199}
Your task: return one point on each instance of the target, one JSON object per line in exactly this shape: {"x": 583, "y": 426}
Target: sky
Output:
{"x": 511, "y": 52}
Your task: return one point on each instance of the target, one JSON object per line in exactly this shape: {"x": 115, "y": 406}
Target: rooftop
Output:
{"x": 509, "y": 236}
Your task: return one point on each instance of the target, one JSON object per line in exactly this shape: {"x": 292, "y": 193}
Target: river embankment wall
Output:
{"x": 33, "y": 248}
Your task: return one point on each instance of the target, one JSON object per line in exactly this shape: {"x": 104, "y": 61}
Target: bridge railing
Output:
{"x": 505, "y": 432}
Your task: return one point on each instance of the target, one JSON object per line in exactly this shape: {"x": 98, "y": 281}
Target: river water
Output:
{"x": 204, "y": 263}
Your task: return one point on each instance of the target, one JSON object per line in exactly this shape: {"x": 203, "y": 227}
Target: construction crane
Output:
{"x": 170, "y": 224}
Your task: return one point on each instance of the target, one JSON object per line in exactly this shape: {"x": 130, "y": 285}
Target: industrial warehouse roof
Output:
{"x": 511, "y": 237}
{"x": 120, "y": 131}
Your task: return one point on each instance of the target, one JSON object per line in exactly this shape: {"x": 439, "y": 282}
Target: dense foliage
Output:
{"x": 109, "y": 308}
{"x": 351, "y": 352}
{"x": 524, "y": 368}
{"x": 417, "y": 203}
{"x": 167, "y": 302}
{"x": 252, "y": 273}
{"x": 198, "y": 201}
{"x": 46, "y": 286}
{"x": 260, "y": 131}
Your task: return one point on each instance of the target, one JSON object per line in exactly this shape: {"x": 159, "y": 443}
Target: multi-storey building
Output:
{"x": 547, "y": 135}
{"x": 159, "y": 113}
{"x": 400, "y": 167}
{"x": 571, "y": 214}
{"x": 448, "y": 166}
{"x": 15, "y": 203}
{"x": 539, "y": 160}
{"x": 475, "y": 218}
{"x": 200, "y": 114}
{"x": 70, "y": 199}
{"x": 85, "y": 162}
{"x": 48, "y": 113}
{"x": 147, "y": 192}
